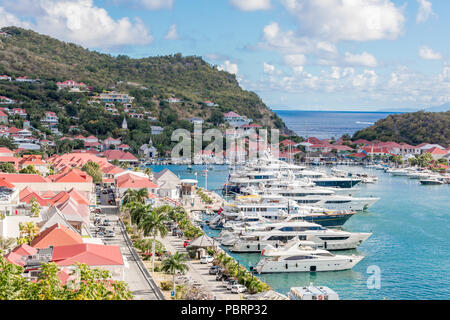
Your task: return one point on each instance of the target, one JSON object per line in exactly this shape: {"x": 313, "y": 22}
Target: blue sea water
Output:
{"x": 328, "y": 124}
{"x": 409, "y": 245}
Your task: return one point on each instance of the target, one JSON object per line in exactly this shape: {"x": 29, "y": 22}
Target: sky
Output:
{"x": 361, "y": 55}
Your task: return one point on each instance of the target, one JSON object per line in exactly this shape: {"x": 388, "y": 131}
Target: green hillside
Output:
{"x": 190, "y": 78}
{"x": 150, "y": 80}
{"x": 412, "y": 128}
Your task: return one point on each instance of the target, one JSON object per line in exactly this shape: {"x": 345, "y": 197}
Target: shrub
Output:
{"x": 166, "y": 285}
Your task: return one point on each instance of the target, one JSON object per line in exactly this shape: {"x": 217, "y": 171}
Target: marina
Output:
{"x": 408, "y": 238}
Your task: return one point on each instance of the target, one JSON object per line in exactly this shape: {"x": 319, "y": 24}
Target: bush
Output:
{"x": 166, "y": 285}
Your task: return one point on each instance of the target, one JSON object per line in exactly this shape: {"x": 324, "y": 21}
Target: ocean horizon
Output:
{"x": 329, "y": 124}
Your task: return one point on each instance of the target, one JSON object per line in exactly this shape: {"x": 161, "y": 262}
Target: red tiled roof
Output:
{"x": 15, "y": 258}
{"x": 6, "y": 184}
{"x": 22, "y": 178}
{"x": 436, "y": 150}
{"x": 88, "y": 253}
{"x": 56, "y": 235}
{"x": 25, "y": 250}
{"x": 119, "y": 155}
{"x": 131, "y": 181}
{"x": 231, "y": 114}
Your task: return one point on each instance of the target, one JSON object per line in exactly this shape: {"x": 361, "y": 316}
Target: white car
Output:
{"x": 238, "y": 288}
{"x": 206, "y": 259}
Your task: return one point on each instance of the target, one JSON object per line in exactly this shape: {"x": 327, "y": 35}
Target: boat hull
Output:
{"x": 308, "y": 265}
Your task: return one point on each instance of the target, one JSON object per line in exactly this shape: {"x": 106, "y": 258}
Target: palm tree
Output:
{"x": 129, "y": 196}
{"x": 141, "y": 195}
{"x": 6, "y": 243}
{"x": 177, "y": 214}
{"x": 28, "y": 231}
{"x": 153, "y": 224}
{"x": 138, "y": 212}
{"x": 175, "y": 263}
{"x": 148, "y": 171}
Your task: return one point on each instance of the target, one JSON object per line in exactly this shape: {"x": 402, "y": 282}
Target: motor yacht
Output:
{"x": 278, "y": 234}
{"x": 300, "y": 257}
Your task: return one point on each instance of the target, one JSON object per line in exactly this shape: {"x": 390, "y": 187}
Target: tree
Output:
{"x": 89, "y": 284}
{"x": 148, "y": 171}
{"x": 424, "y": 159}
{"x": 7, "y": 167}
{"x": 153, "y": 225}
{"x": 30, "y": 169}
{"x": 216, "y": 117}
{"x": 93, "y": 169}
{"x": 6, "y": 244}
{"x": 8, "y": 142}
{"x": 35, "y": 208}
{"x": 138, "y": 212}
{"x": 28, "y": 231}
{"x": 175, "y": 263}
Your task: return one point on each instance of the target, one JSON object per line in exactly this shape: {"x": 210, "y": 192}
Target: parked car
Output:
{"x": 100, "y": 234}
{"x": 214, "y": 270}
{"x": 175, "y": 232}
{"x": 106, "y": 223}
{"x": 186, "y": 243}
{"x": 110, "y": 234}
{"x": 238, "y": 288}
{"x": 206, "y": 259}
{"x": 231, "y": 283}
{"x": 221, "y": 277}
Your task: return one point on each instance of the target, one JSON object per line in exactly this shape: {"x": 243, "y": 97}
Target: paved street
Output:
{"x": 133, "y": 275}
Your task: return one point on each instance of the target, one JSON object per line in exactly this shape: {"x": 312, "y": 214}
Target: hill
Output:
{"x": 412, "y": 128}
{"x": 151, "y": 80}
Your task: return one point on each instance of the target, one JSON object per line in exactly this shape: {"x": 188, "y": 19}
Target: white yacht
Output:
{"x": 319, "y": 197}
{"x": 274, "y": 206}
{"x": 300, "y": 257}
{"x": 278, "y": 234}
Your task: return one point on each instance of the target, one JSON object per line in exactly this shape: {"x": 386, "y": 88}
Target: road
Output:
{"x": 134, "y": 277}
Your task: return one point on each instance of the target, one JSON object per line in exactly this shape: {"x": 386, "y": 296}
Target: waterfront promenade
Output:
{"x": 197, "y": 271}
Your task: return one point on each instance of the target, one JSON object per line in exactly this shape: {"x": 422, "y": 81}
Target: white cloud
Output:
{"x": 9, "y": 19}
{"x": 251, "y": 5}
{"x": 157, "y": 4}
{"x": 363, "y": 59}
{"x": 172, "y": 34}
{"x": 269, "y": 68}
{"x": 288, "y": 42}
{"x": 229, "y": 67}
{"x": 428, "y": 54}
{"x": 336, "y": 20}
{"x": 425, "y": 11}
{"x": 82, "y": 22}
{"x": 295, "y": 60}
{"x": 445, "y": 75}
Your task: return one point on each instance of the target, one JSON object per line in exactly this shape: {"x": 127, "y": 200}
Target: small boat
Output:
{"x": 432, "y": 181}
{"x": 312, "y": 293}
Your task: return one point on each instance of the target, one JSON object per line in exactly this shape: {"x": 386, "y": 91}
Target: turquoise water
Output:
{"x": 410, "y": 241}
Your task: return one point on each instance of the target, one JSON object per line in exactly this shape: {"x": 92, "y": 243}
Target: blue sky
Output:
{"x": 296, "y": 54}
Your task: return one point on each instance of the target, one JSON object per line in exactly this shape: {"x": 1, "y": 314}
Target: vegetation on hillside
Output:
{"x": 412, "y": 128}
{"x": 150, "y": 80}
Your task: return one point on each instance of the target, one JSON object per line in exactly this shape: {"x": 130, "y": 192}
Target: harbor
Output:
{"x": 408, "y": 235}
